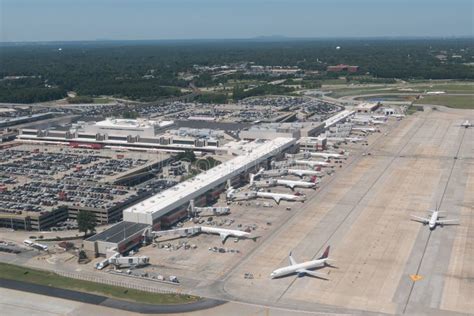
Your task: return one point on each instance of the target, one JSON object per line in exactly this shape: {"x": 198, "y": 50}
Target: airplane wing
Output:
{"x": 443, "y": 221}
{"x": 420, "y": 219}
{"x": 292, "y": 261}
{"x": 224, "y": 237}
{"x": 312, "y": 273}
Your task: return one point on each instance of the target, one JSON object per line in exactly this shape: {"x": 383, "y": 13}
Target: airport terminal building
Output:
{"x": 166, "y": 208}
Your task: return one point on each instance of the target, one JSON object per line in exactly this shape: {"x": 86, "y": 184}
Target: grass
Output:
{"x": 13, "y": 272}
{"x": 333, "y": 81}
{"x": 413, "y": 109}
{"x": 389, "y": 97}
{"x": 454, "y": 88}
{"x": 452, "y": 101}
{"x": 337, "y": 93}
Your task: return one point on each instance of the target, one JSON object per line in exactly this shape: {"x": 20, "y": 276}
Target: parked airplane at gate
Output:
{"x": 303, "y": 172}
{"x": 325, "y": 155}
{"x": 194, "y": 230}
{"x": 304, "y": 268}
{"x": 278, "y": 197}
{"x": 311, "y": 163}
{"x": 433, "y": 220}
{"x": 292, "y": 184}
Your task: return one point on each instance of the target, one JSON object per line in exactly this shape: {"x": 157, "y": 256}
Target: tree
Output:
{"x": 86, "y": 221}
{"x": 187, "y": 155}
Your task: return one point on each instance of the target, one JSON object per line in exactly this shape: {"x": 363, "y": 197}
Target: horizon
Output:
{"x": 256, "y": 39}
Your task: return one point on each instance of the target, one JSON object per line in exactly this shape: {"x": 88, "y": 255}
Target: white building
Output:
{"x": 170, "y": 205}
{"x": 273, "y": 130}
{"x": 126, "y": 127}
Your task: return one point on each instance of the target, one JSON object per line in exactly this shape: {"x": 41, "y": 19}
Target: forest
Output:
{"x": 149, "y": 70}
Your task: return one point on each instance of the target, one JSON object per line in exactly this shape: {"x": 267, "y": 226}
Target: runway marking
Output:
{"x": 440, "y": 203}
{"x": 369, "y": 189}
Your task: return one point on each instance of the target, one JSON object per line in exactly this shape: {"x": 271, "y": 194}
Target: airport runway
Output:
{"x": 364, "y": 214}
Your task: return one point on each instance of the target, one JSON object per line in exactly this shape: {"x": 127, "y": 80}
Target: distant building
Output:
{"x": 342, "y": 67}
{"x": 272, "y": 130}
{"x": 367, "y": 107}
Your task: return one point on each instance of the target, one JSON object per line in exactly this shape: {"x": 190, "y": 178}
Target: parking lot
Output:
{"x": 37, "y": 179}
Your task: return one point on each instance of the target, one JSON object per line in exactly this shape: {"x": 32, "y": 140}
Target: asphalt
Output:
{"x": 109, "y": 302}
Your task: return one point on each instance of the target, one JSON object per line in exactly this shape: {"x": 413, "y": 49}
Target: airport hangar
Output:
{"x": 167, "y": 207}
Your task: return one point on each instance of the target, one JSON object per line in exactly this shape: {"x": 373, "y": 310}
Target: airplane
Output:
{"x": 225, "y": 233}
{"x": 303, "y": 172}
{"x": 194, "y": 230}
{"x": 274, "y": 173}
{"x": 326, "y": 155}
{"x": 304, "y": 268}
{"x": 277, "y": 197}
{"x": 292, "y": 184}
{"x": 365, "y": 129}
{"x": 433, "y": 220}
{"x": 377, "y": 122}
{"x": 311, "y": 163}
{"x": 346, "y": 139}
{"x": 466, "y": 124}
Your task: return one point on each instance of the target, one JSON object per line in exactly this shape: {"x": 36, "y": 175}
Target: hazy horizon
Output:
{"x": 123, "y": 20}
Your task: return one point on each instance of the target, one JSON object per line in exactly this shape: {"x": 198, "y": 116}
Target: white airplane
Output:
{"x": 225, "y": 233}
{"x": 433, "y": 220}
{"x": 365, "y": 129}
{"x": 346, "y": 139}
{"x": 398, "y": 115}
{"x": 466, "y": 124}
{"x": 377, "y": 122}
{"x": 277, "y": 197}
{"x": 304, "y": 268}
{"x": 326, "y": 155}
{"x": 274, "y": 173}
{"x": 311, "y": 163}
{"x": 303, "y": 172}
{"x": 292, "y": 184}
{"x": 194, "y": 230}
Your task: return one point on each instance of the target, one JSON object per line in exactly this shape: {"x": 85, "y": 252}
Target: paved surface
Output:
{"x": 24, "y": 303}
{"x": 364, "y": 215}
{"x": 108, "y": 302}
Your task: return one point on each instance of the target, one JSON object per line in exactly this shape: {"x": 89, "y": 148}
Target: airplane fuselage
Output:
{"x": 302, "y": 172}
{"x": 223, "y": 231}
{"x": 281, "y": 196}
{"x": 311, "y": 163}
{"x": 313, "y": 264}
{"x": 433, "y": 219}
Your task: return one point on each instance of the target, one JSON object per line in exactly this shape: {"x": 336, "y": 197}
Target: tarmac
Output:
{"x": 364, "y": 214}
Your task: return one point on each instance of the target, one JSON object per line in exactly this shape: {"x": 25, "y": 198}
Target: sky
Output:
{"x": 72, "y": 20}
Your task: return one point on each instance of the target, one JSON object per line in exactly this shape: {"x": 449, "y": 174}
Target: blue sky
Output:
{"x": 47, "y": 20}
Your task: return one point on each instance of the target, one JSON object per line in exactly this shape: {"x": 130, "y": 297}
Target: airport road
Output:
{"x": 363, "y": 213}
{"x": 25, "y": 303}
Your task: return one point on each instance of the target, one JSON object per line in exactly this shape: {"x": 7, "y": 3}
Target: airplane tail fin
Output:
{"x": 326, "y": 253}
{"x": 314, "y": 179}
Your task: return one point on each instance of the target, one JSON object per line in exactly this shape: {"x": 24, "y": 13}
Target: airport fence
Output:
{"x": 125, "y": 283}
